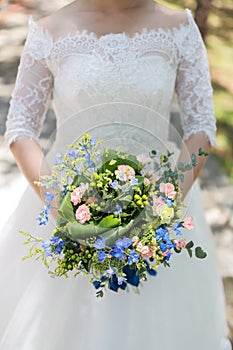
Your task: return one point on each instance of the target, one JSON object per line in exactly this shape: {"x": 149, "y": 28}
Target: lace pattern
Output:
{"x": 122, "y": 62}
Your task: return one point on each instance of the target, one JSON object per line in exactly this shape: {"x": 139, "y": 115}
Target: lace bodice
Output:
{"x": 80, "y": 70}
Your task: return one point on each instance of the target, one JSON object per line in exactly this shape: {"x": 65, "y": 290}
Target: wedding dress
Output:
{"x": 117, "y": 87}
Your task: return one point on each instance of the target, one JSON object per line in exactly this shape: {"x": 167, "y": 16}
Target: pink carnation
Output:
{"x": 180, "y": 244}
{"x": 127, "y": 170}
{"x": 78, "y": 193}
{"x": 83, "y": 214}
{"x": 188, "y": 223}
{"x": 168, "y": 189}
{"x": 147, "y": 251}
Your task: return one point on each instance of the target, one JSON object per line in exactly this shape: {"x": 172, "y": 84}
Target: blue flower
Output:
{"x": 59, "y": 242}
{"x": 64, "y": 190}
{"x": 121, "y": 280}
{"x": 48, "y": 196}
{"x": 122, "y": 177}
{"x": 73, "y": 153}
{"x": 90, "y": 164}
{"x": 111, "y": 271}
{"x": 101, "y": 256}
{"x": 134, "y": 181}
{"x": 118, "y": 210}
{"x": 119, "y": 248}
{"x": 114, "y": 285}
{"x": 44, "y": 215}
{"x": 58, "y": 159}
{"x": 114, "y": 184}
{"x": 47, "y": 247}
{"x": 170, "y": 202}
{"x": 161, "y": 232}
{"x": 123, "y": 242}
{"x": 93, "y": 141}
{"x": 118, "y": 252}
{"x": 99, "y": 243}
{"x": 176, "y": 228}
{"x": 133, "y": 257}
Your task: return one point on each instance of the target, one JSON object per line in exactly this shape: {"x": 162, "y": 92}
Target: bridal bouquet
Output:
{"x": 119, "y": 216}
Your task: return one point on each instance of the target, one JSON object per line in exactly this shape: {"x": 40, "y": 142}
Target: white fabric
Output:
{"x": 118, "y": 87}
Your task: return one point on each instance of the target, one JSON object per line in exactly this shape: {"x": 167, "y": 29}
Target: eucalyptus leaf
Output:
{"x": 190, "y": 244}
{"x": 200, "y": 253}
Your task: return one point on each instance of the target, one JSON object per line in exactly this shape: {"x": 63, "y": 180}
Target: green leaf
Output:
{"x": 181, "y": 166}
{"x": 200, "y": 253}
{"x": 190, "y": 253}
{"x": 109, "y": 222}
{"x": 112, "y": 158}
{"x": 201, "y": 152}
{"x": 189, "y": 245}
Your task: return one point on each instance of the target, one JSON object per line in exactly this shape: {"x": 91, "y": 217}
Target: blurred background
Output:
{"x": 215, "y": 21}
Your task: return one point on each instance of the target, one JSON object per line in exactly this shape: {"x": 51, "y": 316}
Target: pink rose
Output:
{"x": 147, "y": 251}
{"x": 168, "y": 189}
{"x": 180, "y": 244}
{"x": 158, "y": 202}
{"x": 77, "y": 194}
{"x": 188, "y": 223}
{"x": 83, "y": 214}
{"x": 146, "y": 181}
{"x": 127, "y": 170}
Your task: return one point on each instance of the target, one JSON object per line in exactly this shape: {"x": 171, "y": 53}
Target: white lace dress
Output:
{"x": 120, "y": 87}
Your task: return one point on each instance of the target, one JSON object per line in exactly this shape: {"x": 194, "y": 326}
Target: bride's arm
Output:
{"x": 28, "y": 105}
{"x": 190, "y": 146}
{"x": 31, "y": 161}
{"x": 194, "y": 92}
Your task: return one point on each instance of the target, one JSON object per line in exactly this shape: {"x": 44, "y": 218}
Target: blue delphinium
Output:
{"x": 111, "y": 271}
{"x": 176, "y": 228}
{"x": 58, "y": 159}
{"x": 48, "y": 196}
{"x": 58, "y": 242}
{"x": 100, "y": 243}
{"x": 133, "y": 257}
{"x": 121, "y": 280}
{"x": 118, "y": 210}
{"x": 47, "y": 247}
{"x": 101, "y": 256}
{"x": 122, "y": 177}
{"x": 73, "y": 153}
{"x": 134, "y": 181}
{"x": 114, "y": 184}
{"x": 53, "y": 246}
{"x": 93, "y": 141}
{"x": 44, "y": 215}
{"x": 119, "y": 248}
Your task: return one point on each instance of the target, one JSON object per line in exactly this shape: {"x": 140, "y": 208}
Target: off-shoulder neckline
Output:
{"x": 90, "y": 34}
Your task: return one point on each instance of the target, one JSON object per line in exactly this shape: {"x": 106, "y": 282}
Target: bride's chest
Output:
{"x": 114, "y": 62}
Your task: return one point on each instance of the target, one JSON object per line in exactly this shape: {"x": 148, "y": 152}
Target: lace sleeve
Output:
{"x": 33, "y": 88}
{"x": 193, "y": 86}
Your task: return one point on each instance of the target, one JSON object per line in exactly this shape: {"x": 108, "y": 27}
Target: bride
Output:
{"x": 95, "y": 59}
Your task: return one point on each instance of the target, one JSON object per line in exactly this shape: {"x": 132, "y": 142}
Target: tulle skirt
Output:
{"x": 180, "y": 308}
